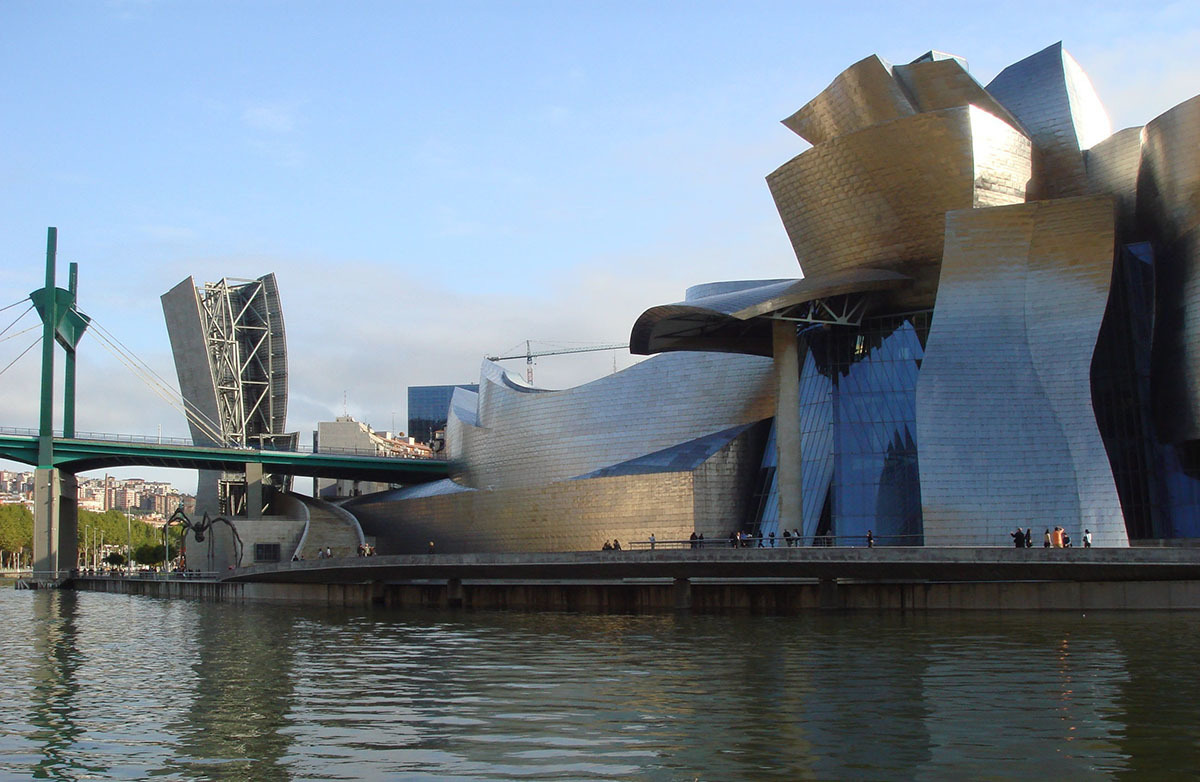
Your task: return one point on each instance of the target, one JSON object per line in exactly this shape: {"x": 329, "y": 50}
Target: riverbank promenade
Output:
{"x": 767, "y": 580}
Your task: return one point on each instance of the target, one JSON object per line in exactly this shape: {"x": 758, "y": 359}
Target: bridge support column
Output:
{"x": 254, "y": 490}
{"x": 787, "y": 425}
{"x": 55, "y": 524}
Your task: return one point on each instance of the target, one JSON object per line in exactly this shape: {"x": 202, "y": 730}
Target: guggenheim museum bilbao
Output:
{"x": 998, "y": 325}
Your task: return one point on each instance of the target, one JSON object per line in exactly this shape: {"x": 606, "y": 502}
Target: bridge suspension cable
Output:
{"x": 19, "y": 333}
{"x": 23, "y": 314}
{"x": 23, "y": 352}
{"x": 34, "y": 327}
{"x": 14, "y": 304}
{"x": 157, "y": 384}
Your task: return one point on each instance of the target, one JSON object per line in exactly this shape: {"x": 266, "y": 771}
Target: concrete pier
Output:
{"x": 766, "y": 581}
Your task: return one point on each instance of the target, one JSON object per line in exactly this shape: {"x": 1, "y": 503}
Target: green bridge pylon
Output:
{"x": 56, "y": 495}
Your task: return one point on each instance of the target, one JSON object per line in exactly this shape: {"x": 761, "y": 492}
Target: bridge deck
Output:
{"x": 80, "y": 455}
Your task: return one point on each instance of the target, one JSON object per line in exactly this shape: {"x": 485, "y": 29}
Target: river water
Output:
{"x": 99, "y": 686}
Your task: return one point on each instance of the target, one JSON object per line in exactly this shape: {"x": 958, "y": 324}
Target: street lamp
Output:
{"x": 129, "y": 539}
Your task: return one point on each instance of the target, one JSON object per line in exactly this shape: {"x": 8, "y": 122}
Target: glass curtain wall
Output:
{"x": 858, "y": 435}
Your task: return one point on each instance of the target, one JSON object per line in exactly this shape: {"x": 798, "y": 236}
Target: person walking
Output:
{"x": 870, "y": 539}
{"x": 652, "y": 541}
{"x": 1087, "y": 538}
{"x": 1018, "y": 538}
{"x": 1028, "y": 538}
{"x": 1047, "y": 543}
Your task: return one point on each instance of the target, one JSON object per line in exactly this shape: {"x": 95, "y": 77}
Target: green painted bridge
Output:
{"x": 97, "y": 452}
{"x": 59, "y": 456}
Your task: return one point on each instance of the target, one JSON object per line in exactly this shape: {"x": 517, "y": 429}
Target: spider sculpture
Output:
{"x": 200, "y": 528}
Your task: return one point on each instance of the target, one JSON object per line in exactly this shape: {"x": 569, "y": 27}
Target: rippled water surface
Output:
{"x": 98, "y": 686}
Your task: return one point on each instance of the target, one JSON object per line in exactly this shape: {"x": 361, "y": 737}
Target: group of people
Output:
{"x": 614, "y": 545}
{"x": 741, "y": 539}
{"x": 366, "y": 550}
{"x": 1058, "y": 538}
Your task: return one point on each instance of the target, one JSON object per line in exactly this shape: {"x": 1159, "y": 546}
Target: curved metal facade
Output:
{"x": 1055, "y": 103}
{"x": 863, "y": 95}
{"x": 1169, "y": 206}
{"x": 960, "y": 358}
{"x": 521, "y": 436}
{"x": 1004, "y": 409}
{"x": 906, "y": 175}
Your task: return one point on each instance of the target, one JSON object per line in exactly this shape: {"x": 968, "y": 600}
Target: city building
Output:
{"x": 347, "y": 436}
{"x": 150, "y": 500}
{"x": 997, "y": 327}
{"x": 427, "y": 406}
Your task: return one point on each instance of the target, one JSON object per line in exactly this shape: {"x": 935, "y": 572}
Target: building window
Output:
{"x": 266, "y": 552}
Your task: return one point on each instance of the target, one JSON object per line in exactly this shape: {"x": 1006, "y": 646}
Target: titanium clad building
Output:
{"x": 997, "y": 327}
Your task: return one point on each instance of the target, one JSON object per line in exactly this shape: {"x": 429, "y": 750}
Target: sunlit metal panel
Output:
{"x": 864, "y": 94}
{"x": 1056, "y": 104}
{"x": 1005, "y": 420}
{"x": 877, "y": 198}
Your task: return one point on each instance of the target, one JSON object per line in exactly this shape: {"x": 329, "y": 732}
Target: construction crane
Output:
{"x": 530, "y": 354}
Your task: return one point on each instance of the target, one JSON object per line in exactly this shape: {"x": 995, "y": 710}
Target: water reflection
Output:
{"x": 53, "y": 728}
{"x": 105, "y": 686}
{"x": 240, "y": 673}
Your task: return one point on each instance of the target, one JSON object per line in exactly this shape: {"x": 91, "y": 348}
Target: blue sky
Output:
{"x": 433, "y": 182}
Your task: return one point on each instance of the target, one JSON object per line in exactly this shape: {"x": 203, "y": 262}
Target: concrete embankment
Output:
{"x": 773, "y": 581}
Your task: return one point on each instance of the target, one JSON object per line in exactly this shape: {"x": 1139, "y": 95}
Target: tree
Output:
{"x": 16, "y": 529}
{"x": 151, "y": 553}
{"x": 114, "y": 558}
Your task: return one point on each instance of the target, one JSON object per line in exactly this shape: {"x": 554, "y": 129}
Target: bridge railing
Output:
{"x": 146, "y": 575}
{"x": 792, "y": 541}
{"x": 136, "y": 439}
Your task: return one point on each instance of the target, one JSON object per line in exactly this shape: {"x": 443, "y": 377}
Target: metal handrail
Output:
{"x": 146, "y": 575}
{"x": 766, "y": 542}
{"x": 109, "y": 437}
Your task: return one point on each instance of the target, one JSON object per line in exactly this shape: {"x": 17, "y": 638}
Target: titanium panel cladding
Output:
{"x": 934, "y": 85}
{"x": 1056, "y": 104}
{"x": 1112, "y": 167}
{"x": 863, "y": 95}
{"x": 1004, "y": 411}
{"x": 1169, "y": 204}
{"x": 573, "y": 515}
{"x": 524, "y": 436}
{"x": 565, "y": 516}
{"x": 878, "y": 197}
